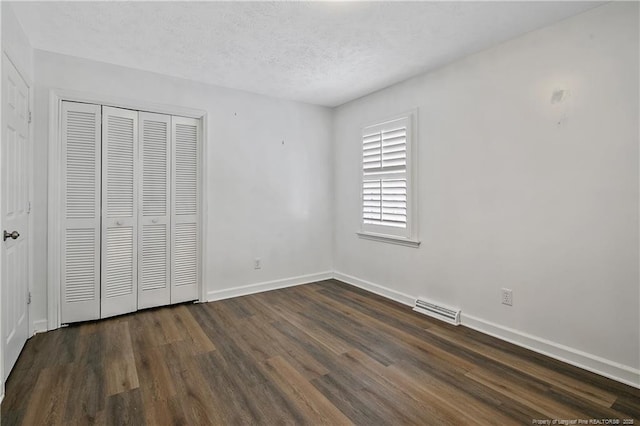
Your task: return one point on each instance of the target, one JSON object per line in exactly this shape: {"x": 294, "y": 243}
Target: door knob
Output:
{"x": 13, "y": 235}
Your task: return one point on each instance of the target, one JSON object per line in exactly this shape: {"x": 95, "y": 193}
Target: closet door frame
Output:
{"x": 54, "y": 220}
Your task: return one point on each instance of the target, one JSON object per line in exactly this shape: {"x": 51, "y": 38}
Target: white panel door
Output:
{"x": 80, "y": 245}
{"x": 15, "y": 221}
{"x": 185, "y": 231}
{"x": 119, "y": 289}
{"x": 154, "y": 210}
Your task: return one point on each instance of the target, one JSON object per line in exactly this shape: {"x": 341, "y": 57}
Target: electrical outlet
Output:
{"x": 257, "y": 263}
{"x": 507, "y": 296}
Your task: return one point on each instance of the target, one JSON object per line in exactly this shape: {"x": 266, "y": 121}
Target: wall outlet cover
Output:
{"x": 507, "y": 296}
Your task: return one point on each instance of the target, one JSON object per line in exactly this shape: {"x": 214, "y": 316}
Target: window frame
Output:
{"x": 407, "y": 236}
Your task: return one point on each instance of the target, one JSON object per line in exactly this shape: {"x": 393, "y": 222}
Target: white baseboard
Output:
{"x": 584, "y": 360}
{"x": 604, "y": 367}
{"x": 266, "y": 286}
{"x": 405, "y": 299}
{"x": 40, "y": 326}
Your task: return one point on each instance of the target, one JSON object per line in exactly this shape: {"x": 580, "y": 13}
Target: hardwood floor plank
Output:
{"x": 99, "y": 419}
{"x": 569, "y": 384}
{"x": 531, "y": 397}
{"x": 265, "y": 344}
{"x": 119, "y": 361}
{"x": 12, "y": 418}
{"x": 628, "y": 406}
{"x": 312, "y": 331}
{"x": 455, "y": 386}
{"x": 167, "y": 412}
{"x": 229, "y": 400}
{"x": 167, "y": 322}
{"x": 419, "y": 404}
{"x": 48, "y": 399}
{"x": 87, "y": 390}
{"x": 337, "y": 346}
{"x": 418, "y": 340}
{"x": 323, "y": 353}
{"x": 125, "y": 408}
{"x": 433, "y": 400}
{"x": 189, "y": 328}
{"x": 193, "y": 393}
{"x": 349, "y": 401}
{"x": 156, "y": 383}
{"x": 564, "y": 369}
{"x": 314, "y": 405}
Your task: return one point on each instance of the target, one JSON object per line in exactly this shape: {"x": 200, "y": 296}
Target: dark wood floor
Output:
{"x": 323, "y": 353}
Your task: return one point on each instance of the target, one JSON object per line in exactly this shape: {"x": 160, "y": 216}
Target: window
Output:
{"x": 388, "y": 181}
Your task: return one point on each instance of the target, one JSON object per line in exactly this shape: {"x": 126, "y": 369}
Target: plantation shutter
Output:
{"x": 80, "y": 250}
{"x": 384, "y": 171}
{"x": 185, "y": 233}
{"x": 119, "y": 211}
{"x": 154, "y": 213}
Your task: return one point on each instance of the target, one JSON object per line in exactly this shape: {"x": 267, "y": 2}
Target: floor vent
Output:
{"x": 452, "y": 316}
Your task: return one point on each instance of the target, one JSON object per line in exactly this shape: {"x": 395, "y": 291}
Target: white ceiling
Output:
{"x": 324, "y": 53}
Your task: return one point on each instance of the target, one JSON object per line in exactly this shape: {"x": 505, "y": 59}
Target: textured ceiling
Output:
{"x": 324, "y": 53}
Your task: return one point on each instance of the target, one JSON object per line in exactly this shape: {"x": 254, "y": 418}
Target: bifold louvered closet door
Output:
{"x": 81, "y": 180}
{"x": 119, "y": 211}
{"x": 184, "y": 261}
{"x": 130, "y": 211}
{"x": 154, "y": 287}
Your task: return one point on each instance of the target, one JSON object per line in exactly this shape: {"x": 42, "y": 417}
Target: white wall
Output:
{"x": 267, "y": 199}
{"x": 15, "y": 43}
{"x": 517, "y": 192}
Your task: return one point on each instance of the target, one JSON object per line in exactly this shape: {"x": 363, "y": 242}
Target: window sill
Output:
{"x": 389, "y": 239}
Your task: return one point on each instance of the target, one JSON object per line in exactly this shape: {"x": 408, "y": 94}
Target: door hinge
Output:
{"x": 29, "y": 298}
{"x": 28, "y": 207}
{"x": 29, "y": 117}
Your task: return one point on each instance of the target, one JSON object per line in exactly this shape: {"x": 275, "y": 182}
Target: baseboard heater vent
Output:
{"x": 443, "y": 313}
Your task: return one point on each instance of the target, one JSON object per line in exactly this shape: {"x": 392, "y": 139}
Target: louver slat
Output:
{"x": 120, "y": 173}
{"x": 119, "y": 222}
{"x": 154, "y": 257}
{"x": 385, "y": 152}
{"x": 186, "y": 169}
{"x": 81, "y": 145}
{"x": 186, "y": 267}
{"x": 385, "y": 202}
{"x": 185, "y": 239}
{"x": 80, "y": 245}
{"x": 118, "y": 278}
{"x": 154, "y": 160}
{"x": 79, "y": 265}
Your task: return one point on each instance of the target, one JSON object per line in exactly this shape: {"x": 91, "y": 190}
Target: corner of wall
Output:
{"x": 16, "y": 43}
{"x": 332, "y": 174}
{"x": 267, "y": 286}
